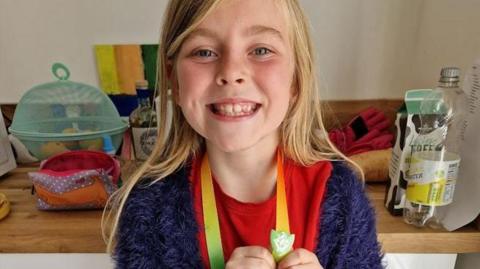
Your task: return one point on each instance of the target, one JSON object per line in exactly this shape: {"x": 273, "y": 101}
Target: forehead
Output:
{"x": 249, "y": 17}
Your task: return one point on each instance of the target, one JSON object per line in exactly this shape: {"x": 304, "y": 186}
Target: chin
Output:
{"x": 230, "y": 146}
{"x": 242, "y": 140}
{"x": 234, "y": 147}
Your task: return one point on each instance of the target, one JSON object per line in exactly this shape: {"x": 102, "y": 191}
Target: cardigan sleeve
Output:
{"x": 348, "y": 237}
{"x": 133, "y": 249}
{"x": 157, "y": 228}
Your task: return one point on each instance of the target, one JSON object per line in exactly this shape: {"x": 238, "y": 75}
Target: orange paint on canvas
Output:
{"x": 128, "y": 59}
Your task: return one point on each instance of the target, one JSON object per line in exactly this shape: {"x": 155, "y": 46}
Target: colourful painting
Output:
{"x": 120, "y": 66}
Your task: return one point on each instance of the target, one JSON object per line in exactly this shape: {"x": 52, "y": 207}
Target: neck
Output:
{"x": 247, "y": 175}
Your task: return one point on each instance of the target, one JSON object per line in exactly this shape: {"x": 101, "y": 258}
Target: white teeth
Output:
{"x": 228, "y": 108}
{"x": 235, "y": 109}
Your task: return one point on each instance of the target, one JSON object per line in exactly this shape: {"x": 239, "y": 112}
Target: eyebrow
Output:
{"x": 202, "y": 32}
{"x": 250, "y": 31}
{"x": 261, "y": 29}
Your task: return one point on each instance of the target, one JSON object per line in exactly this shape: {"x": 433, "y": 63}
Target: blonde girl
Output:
{"x": 246, "y": 168}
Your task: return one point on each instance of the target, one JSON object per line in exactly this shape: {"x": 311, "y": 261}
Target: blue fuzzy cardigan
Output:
{"x": 158, "y": 228}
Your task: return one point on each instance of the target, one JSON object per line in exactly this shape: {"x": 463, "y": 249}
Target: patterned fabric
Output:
{"x": 73, "y": 189}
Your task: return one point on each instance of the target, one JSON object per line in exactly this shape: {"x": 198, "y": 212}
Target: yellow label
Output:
{"x": 427, "y": 194}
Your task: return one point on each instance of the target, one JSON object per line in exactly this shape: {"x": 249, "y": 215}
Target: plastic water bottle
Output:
{"x": 143, "y": 122}
{"x": 108, "y": 145}
{"x": 435, "y": 158}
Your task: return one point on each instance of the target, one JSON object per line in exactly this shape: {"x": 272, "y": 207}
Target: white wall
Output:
{"x": 449, "y": 35}
{"x": 34, "y": 34}
{"x": 366, "y": 49}
{"x": 378, "y": 49}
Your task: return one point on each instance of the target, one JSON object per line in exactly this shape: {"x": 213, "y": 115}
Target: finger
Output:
{"x": 368, "y": 137}
{"x": 298, "y": 257}
{"x": 254, "y": 252}
{"x": 380, "y": 117}
{"x": 332, "y": 135}
{"x": 248, "y": 263}
{"x": 368, "y": 113}
{"x": 305, "y": 266}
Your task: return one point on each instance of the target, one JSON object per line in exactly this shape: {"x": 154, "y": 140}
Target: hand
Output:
{"x": 251, "y": 257}
{"x": 300, "y": 258}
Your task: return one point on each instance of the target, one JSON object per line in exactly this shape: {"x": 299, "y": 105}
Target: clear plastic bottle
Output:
{"x": 143, "y": 122}
{"x": 435, "y": 158}
{"x": 143, "y": 116}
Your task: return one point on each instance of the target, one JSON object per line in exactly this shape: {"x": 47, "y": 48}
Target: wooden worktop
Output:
{"x": 28, "y": 230}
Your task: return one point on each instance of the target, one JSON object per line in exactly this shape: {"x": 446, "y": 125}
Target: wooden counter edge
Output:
{"x": 394, "y": 235}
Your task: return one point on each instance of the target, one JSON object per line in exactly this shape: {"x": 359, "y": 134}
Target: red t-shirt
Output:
{"x": 249, "y": 224}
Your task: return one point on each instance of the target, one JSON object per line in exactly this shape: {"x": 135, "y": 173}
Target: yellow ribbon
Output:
{"x": 210, "y": 215}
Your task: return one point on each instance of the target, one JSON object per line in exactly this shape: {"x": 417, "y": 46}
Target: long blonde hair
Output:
{"x": 303, "y": 135}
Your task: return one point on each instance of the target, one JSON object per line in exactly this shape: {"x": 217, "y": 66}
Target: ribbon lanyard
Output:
{"x": 210, "y": 215}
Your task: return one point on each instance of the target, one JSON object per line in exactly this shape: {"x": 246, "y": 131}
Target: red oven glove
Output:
{"x": 382, "y": 141}
{"x": 367, "y": 125}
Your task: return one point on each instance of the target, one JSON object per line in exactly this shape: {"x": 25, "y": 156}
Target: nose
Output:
{"x": 231, "y": 71}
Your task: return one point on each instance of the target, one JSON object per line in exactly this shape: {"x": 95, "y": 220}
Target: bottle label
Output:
{"x": 424, "y": 142}
{"x": 144, "y": 141}
{"x": 432, "y": 177}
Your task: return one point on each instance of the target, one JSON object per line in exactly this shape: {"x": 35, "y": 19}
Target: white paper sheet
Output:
{"x": 466, "y": 205}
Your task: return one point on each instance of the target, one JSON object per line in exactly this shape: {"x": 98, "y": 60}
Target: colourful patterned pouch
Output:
{"x": 75, "y": 180}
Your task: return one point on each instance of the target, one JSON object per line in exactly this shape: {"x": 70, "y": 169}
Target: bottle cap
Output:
{"x": 141, "y": 84}
{"x": 450, "y": 74}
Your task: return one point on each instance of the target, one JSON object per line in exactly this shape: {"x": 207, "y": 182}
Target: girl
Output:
{"x": 247, "y": 152}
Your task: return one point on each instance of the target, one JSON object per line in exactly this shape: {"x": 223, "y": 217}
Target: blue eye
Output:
{"x": 261, "y": 51}
{"x": 204, "y": 53}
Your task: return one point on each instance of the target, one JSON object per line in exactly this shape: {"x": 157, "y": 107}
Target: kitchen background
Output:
{"x": 367, "y": 49}
{"x": 370, "y": 49}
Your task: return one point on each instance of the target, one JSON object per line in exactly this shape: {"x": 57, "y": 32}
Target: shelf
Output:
{"x": 398, "y": 237}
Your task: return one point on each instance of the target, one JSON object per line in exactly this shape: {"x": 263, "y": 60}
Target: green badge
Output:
{"x": 281, "y": 243}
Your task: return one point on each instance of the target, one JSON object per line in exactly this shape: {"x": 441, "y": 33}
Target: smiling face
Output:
{"x": 234, "y": 75}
